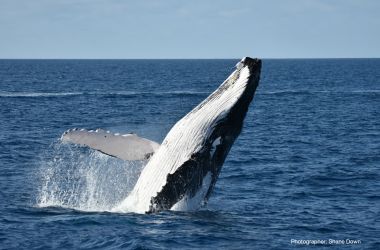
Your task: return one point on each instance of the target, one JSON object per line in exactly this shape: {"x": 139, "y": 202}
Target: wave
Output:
{"x": 37, "y": 94}
{"x": 370, "y": 91}
{"x": 295, "y": 92}
{"x": 118, "y": 93}
{"x": 160, "y": 93}
{"x": 179, "y": 93}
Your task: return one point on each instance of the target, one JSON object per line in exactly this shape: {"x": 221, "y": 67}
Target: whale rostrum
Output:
{"x": 182, "y": 171}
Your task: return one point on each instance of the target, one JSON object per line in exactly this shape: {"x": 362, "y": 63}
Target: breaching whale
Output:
{"x": 182, "y": 171}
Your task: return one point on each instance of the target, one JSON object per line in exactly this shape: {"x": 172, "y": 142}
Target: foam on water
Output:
{"x": 82, "y": 179}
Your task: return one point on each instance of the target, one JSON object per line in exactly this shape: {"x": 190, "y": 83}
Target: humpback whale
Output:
{"x": 181, "y": 172}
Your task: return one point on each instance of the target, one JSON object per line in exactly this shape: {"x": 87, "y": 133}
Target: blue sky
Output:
{"x": 189, "y": 29}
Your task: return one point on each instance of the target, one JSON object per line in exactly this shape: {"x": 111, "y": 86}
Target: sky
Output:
{"x": 126, "y": 29}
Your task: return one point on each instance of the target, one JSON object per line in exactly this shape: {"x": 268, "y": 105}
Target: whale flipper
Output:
{"x": 126, "y": 147}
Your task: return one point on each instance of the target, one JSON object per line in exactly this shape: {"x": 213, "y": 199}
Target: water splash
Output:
{"x": 83, "y": 179}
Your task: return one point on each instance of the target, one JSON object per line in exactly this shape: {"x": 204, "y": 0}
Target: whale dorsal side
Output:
{"x": 126, "y": 147}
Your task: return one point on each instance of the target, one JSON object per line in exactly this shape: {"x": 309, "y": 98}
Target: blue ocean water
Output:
{"x": 305, "y": 167}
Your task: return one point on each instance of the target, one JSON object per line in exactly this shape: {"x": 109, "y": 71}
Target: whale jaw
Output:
{"x": 186, "y": 166}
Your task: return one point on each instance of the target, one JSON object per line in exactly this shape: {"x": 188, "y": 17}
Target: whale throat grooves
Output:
{"x": 185, "y": 168}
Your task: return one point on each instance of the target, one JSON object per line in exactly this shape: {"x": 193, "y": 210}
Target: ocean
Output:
{"x": 305, "y": 170}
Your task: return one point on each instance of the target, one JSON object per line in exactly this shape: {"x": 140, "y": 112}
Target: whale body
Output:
{"x": 182, "y": 171}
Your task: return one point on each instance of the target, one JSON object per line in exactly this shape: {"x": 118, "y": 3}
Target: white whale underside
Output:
{"x": 187, "y": 136}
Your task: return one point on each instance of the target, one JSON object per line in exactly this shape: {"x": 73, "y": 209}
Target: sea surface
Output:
{"x": 305, "y": 167}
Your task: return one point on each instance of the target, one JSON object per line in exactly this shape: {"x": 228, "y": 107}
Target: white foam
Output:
{"x": 83, "y": 179}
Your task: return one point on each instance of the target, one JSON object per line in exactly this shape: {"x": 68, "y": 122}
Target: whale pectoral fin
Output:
{"x": 127, "y": 147}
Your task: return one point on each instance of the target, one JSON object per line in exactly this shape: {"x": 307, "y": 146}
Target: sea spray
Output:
{"x": 79, "y": 178}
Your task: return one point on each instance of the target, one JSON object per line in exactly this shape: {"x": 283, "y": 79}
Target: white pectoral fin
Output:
{"x": 127, "y": 147}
